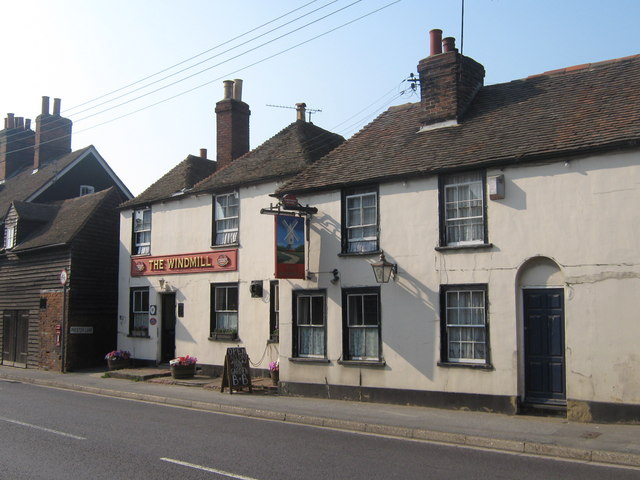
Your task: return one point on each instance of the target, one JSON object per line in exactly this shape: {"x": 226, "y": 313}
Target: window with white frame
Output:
{"x": 226, "y": 221}
{"x": 142, "y": 232}
{"x": 462, "y": 209}
{"x": 139, "y": 312}
{"x": 361, "y": 324}
{"x": 464, "y": 324}
{"x": 224, "y": 309}
{"x": 10, "y": 235}
{"x": 309, "y": 329}
{"x": 360, "y": 220}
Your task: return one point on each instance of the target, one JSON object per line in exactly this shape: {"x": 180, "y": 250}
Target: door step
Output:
{"x": 543, "y": 409}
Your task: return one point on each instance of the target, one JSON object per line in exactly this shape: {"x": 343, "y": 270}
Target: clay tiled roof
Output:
{"x": 24, "y": 183}
{"x": 64, "y": 219}
{"x": 178, "y": 180}
{"x": 565, "y": 112}
{"x": 285, "y": 154}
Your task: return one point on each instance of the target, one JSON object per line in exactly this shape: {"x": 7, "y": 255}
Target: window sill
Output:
{"x": 363, "y": 363}
{"x": 308, "y": 360}
{"x": 138, "y": 336}
{"x": 475, "y": 366}
{"x": 225, "y": 246}
{"x": 221, "y": 337}
{"x": 471, "y": 246}
{"x": 136, "y": 255}
{"x": 360, "y": 254}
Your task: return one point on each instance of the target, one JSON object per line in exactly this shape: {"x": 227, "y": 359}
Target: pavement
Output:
{"x": 530, "y": 435}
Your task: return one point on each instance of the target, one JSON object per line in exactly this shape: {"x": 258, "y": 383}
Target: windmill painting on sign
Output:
{"x": 289, "y": 246}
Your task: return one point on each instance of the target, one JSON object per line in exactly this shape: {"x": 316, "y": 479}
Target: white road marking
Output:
{"x": 44, "y": 429}
{"x": 207, "y": 469}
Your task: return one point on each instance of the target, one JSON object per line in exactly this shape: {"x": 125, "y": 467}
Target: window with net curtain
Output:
{"x": 360, "y": 220}
{"x": 464, "y": 219}
{"x": 465, "y": 319}
{"x": 226, "y": 219}
{"x": 361, "y": 311}
{"x": 310, "y": 323}
{"x": 139, "y": 311}
{"x": 142, "y": 231}
{"x": 224, "y": 300}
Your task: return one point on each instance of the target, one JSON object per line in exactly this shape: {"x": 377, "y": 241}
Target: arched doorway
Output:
{"x": 541, "y": 290}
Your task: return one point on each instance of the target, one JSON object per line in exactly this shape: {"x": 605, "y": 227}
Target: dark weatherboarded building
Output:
{"x": 58, "y": 262}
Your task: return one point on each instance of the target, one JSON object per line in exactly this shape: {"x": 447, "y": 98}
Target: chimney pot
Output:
{"x": 301, "y": 111}
{"x": 45, "y": 105}
{"x": 20, "y": 122}
{"x": 449, "y": 44}
{"x": 228, "y": 89}
{"x": 27, "y": 123}
{"x": 56, "y": 106}
{"x": 435, "y": 36}
{"x": 11, "y": 123}
{"x": 237, "y": 89}
{"x": 203, "y": 153}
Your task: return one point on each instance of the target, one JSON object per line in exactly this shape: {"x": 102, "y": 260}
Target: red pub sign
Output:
{"x": 219, "y": 261}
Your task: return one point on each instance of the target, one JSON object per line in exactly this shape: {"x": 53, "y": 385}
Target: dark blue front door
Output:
{"x": 544, "y": 346}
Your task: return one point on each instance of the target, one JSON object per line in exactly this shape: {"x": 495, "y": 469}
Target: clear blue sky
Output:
{"x": 79, "y": 50}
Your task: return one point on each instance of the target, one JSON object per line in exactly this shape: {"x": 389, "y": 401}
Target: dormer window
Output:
{"x": 87, "y": 190}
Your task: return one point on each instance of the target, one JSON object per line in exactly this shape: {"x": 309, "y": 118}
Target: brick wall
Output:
{"x": 50, "y": 316}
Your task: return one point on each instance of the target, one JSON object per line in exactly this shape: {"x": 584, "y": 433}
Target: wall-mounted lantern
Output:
{"x": 383, "y": 269}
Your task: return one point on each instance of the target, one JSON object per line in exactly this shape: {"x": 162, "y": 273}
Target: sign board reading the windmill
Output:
{"x": 236, "y": 374}
{"x": 289, "y": 246}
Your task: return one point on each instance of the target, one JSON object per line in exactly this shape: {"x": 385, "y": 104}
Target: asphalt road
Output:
{"x": 57, "y": 434}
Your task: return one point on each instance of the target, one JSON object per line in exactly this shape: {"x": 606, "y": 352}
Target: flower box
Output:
{"x": 225, "y": 335}
{"x": 118, "y": 363}
{"x": 183, "y": 371}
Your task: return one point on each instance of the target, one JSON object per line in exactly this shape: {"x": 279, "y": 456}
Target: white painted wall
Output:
{"x": 581, "y": 214}
{"x": 184, "y": 225}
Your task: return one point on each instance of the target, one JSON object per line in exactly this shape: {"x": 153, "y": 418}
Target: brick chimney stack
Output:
{"x": 232, "y": 121}
{"x": 448, "y": 82}
{"x": 16, "y": 145}
{"x": 53, "y": 134}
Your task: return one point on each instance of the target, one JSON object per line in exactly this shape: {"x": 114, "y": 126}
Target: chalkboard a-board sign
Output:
{"x": 236, "y": 373}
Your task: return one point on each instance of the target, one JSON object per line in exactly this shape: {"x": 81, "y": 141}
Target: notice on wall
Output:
{"x": 289, "y": 246}
{"x": 236, "y": 374}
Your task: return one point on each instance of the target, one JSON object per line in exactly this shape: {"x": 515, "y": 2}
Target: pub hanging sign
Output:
{"x": 289, "y": 246}
{"x": 219, "y": 261}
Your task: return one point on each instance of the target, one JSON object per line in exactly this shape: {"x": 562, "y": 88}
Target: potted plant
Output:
{"x": 275, "y": 336}
{"x": 118, "y": 359}
{"x": 225, "y": 334}
{"x": 274, "y": 370}
{"x": 183, "y": 367}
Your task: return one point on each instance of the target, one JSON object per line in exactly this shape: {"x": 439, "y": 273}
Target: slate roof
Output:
{"x": 283, "y": 155}
{"x": 180, "y": 178}
{"x": 24, "y": 183}
{"x": 564, "y": 112}
{"x": 64, "y": 219}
